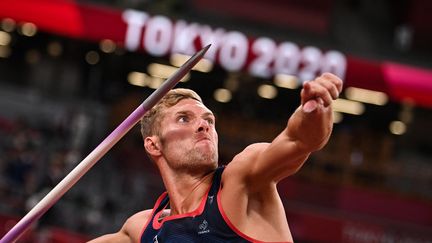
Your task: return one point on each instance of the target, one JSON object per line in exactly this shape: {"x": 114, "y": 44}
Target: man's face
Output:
{"x": 188, "y": 136}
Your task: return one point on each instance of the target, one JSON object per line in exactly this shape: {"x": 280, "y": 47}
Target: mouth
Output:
{"x": 203, "y": 139}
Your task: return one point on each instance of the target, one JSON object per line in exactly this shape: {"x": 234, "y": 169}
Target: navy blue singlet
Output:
{"x": 206, "y": 224}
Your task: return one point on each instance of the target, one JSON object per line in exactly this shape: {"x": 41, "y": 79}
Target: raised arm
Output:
{"x": 307, "y": 130}
{"x": 249, "y": 196}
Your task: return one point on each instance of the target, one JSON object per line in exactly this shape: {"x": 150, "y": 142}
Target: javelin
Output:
{"x": 63, "y": 186}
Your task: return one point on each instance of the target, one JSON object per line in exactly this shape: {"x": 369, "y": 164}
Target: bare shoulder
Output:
{"x": 130, "y": 232}
{"x": 140, "y": 216}
{"x": 249, "y": 153}
{"x": 243, "y": 162}
{"x": 135, "y": 224}
{"x": 253, "y": 206}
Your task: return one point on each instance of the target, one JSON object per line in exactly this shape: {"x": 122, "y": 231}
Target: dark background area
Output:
{"x": 366, "y": 185}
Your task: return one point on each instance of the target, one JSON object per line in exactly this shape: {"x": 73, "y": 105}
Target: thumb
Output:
{"x": 310, "y": 106}
{"x": 308, "y": 103}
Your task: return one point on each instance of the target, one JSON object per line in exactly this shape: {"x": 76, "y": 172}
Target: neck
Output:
{"x": 185, "y": 190}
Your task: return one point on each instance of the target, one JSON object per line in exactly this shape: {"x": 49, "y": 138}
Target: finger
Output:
{"x": 310, "y": 106}
{"x": 306, "y": 93}
{"x": 334, "y": 80}
{"x": 327, "y": 98}
{"x": 313, "y": 90}
{"x": 331, "y": 88}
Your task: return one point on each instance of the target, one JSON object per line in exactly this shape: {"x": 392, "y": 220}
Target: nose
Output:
{"x": 203, "y": 126}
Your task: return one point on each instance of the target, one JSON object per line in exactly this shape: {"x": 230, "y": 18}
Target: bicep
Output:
{"x": 279, "y": 159}
{"x": 262, "y": 164}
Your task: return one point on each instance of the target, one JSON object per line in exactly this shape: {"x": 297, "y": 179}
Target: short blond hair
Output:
{"x": 150, "y": 123}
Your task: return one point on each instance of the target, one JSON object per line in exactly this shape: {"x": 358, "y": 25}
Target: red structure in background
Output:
{"x": 95, "y": 23}
{"x": 307, "y": 15}
{"x": 348, "y": 214}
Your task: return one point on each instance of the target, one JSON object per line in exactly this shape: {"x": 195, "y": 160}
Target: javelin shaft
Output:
{"x": 63, "y": 186}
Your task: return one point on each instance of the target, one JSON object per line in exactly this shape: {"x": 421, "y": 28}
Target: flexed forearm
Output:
{"x": 310, "y": 130}
{"x": 311, "y": 124}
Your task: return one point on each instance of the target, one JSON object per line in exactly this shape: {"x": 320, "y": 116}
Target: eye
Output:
{"x": 183, "y": 119}
{"x": 210, "y": 121}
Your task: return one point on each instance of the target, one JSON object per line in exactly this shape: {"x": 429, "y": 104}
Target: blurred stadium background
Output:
{"x": 72, "y": 70}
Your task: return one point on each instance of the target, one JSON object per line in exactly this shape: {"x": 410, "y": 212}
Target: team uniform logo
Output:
{"x": 155, "y": 239}
{"x": 203, "y": 228}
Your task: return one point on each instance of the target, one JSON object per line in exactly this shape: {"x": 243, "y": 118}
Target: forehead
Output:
{"x": 188, "y": 105}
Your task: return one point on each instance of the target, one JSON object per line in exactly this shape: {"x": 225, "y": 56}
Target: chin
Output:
{"x": 203, "y": 161}
{"x": 209, "y": 167}
{"x": 209, "y": 162}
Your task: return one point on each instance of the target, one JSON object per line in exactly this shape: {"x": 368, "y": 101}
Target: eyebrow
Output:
{"x": 187, "y": 112}
{"x": 209, "y": 114}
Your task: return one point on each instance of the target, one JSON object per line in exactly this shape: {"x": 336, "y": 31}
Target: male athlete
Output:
{"x": 236, "y": 203}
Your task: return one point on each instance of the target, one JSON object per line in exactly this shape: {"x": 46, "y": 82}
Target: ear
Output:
{"x": 152, "y": 146}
